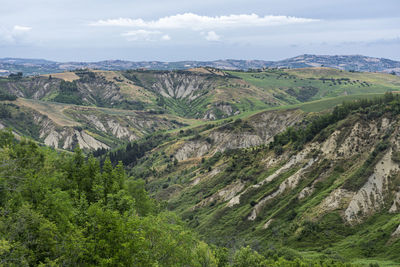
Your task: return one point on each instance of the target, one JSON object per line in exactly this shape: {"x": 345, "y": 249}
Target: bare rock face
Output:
{"x": 263, "y": 127}
{"x": 181, "y": 85}
{"x": 35, "y": 88}
{"x": 370, "y": 197}
{"x": 95, "y": 89}
{"x": 228, "y": 140}
{"x": 396, "y": 233}
{"x": 52, "y": 139}
{"x": 209, "y": 115}
{"x": 95, "y": 122}
{"x": 192, "y": 149}
{"x": 289, "y": 183}
{"x": 222, "y": 140}
{"x": 63, "y": 136}
{"x": 128, "y": 126}
{"x": 268, "y": 124}
{"x": 223, "y": 108}
{"x": 336, "y": 200}
{"x": 355, "y": 141}
{"x": 87, "y": 141}
{"x": 396, "y": 203}
{"x": 119, "y": 131}
{"x": 373, "y": 195}
{"x": 65, "y": 126}
{"x": 328, "y": 148}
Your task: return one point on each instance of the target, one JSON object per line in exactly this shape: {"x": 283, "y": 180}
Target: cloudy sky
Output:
{"x": 172, "y": 30}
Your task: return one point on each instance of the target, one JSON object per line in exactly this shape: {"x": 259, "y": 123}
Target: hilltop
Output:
{"x": 343, "y": 62}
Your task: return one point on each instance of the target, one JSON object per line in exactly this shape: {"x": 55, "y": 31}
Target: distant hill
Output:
{"x": 351, "y": 62}
{"x": 104, "y": 109}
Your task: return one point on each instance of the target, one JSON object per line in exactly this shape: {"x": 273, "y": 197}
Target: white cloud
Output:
{"x": 14, "y": 35}
{"x": 18, "y": 28}
{"x": 212, "y": 36}
{"x": 166, "y": 37}
{"x": 141, "y": 35}
{"x": 145, "y": 35}
{"x": 198, "y": 22}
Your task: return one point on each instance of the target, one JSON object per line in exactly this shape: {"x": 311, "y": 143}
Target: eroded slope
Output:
{"x": 289, "y": 178}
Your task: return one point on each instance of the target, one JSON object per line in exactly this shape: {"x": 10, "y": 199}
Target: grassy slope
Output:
{"x": 328, "y": 82}
{"x": 66, "y": 76}
{"x": 53, "y": 110}
{"x": 380, "y": 78}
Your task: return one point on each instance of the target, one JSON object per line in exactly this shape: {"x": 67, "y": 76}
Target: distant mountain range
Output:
{"x": 350, "y": 62}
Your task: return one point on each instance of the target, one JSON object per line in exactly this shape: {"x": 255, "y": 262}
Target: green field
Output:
{"x": 318, "y": 83}
{"x": 329, "y": 103}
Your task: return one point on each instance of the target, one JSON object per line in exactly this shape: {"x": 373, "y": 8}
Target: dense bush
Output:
{"x": 5, "y": 111}
{"x": 69, "y": 93}
{"x": 7, "y": 96}
{"x": 133, "y": 151}
{"x": 65, "y": 210}
{"x": 68, "y": 98}
{"x": 304, "y": 93}
{"x": 68, "y": 87}
{"x": 16, "y": 76}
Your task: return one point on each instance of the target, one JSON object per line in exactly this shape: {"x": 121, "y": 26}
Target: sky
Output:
{"x": 172, "y": 30}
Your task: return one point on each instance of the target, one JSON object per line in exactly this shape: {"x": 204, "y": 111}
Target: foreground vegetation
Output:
{"x": 60, "y": 209}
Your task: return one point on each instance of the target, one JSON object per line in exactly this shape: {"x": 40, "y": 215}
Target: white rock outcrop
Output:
{"x": 370, "y": 197}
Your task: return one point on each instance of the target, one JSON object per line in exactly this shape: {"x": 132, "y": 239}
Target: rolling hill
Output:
{"x": 104, "y": 109}
{"x": 344, "y": 62}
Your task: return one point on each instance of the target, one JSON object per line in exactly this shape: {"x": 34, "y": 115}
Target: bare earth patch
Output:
{"x": 66, "y": 76}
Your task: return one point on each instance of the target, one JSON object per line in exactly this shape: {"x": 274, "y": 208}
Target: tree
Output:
{"x": 6, "y": 138}
{"x": 16, "y": 76}
{"x": 143, "y": 203}
{"x": 107, "y": 178}
{"x": 245, "y": 257}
